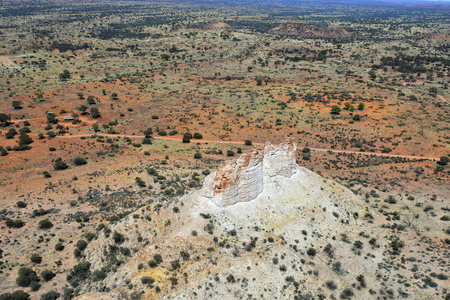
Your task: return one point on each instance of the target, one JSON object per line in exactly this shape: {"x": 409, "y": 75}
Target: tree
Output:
{"x": 51, "y": 118}
{"x": 17, "y": 104}
{"x": 114, "y": 96}
{"x": 91, "y": 100}
{"x": 81, "y": 245}
{"x": 40, "y": 95}
{"x": 79, "y": 273}
{"x": 80, "y": 95}
{"x": 24, "y": 139}
{"x": 64, "y": 75}
{"x": 83, "y": 108}
{"x": 187, "y": 137}
{"x": 335, "y": 110}
{"x": 26, "y": 276}
{"x": 372, "y": 74}
{"x": 198, "y": 136}
{"x": 95, "y": 127}
{"x": 47, "y": 275}
{"x": 61, "y": 129}
{"x": 148, "y": 133}
{"x": 3, "y": 151}
{"x": 12, "y": 132}
{"x": 248, "y": 142}
{"x": 95, "y": 112}
{"x": 4, "y": 119}
{"x": 444, "y": 160}
{"x": 361, "y": 105}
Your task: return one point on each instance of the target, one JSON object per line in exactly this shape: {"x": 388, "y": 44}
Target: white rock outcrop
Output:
{"x": 243, "y": 180}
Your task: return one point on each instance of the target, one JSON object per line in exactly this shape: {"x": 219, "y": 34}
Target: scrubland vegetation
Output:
{"x": 110, "y": 112}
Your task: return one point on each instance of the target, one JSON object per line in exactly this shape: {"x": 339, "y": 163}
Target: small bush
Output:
{"x": 21, "y": 204}
{"x": 35, "y": 286}
{"x": 147, "y": 280}
{"x": 248, "y": 142}
{"x": 78, "y": 161}
{"x": 60, "y": 164}
{"x": 47, "y": 275}
{"x": 197, "y": 136}
{"x": 331, "y": 285}
{"x": 52, "y": 295}
{"x": 118, "y": 238}
{"x": 311, "y": 252}
{"x": 45, "y": 224}
{"x": 59, "y": 247}
{"x": 36, "y": 258}
{"x": 14, "y": 223}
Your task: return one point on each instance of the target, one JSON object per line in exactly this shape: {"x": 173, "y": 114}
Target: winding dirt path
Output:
{"x": 179, "y": 139}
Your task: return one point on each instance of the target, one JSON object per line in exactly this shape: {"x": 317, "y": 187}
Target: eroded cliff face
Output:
{"x": 261, "y": 208}
{"x": 243, "y": 180}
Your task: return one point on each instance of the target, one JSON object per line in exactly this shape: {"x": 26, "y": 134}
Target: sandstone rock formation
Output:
{"x": 243, "y": 180}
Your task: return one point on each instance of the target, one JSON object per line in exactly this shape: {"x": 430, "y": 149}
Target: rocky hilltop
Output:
{"x": 310, "y": 31}
{"x": 260, "y": 226}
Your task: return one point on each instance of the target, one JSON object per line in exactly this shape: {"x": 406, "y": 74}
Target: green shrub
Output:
{"x": 35, "y": 286}
{"x": 79, "y": 273}
{"x": 47, "y": 275}
{"x": 78, "y": 161}
{"x": 187, "y": 137}
{"x": 59, "y": 247}
{"x": 60, "y": 164}
{"x": 26, "y": 276}
{"x": 21, "y": 204}
{"x": 16, "y": 295}
{"x": 311, "y": 252}
{"x": 248, "y": 142}
{"x": 118, "y": 238}
{"x": 52, "y": 295}
{"x": 158, "y": 258}
{"x": 81, "y": 245}
{"x": 14, "y": 223}
{"x": 36, "y": 258}
{"x": 45, "y": 224}
{"x": 197, "y": 136}
{"x": 147, "y": 280}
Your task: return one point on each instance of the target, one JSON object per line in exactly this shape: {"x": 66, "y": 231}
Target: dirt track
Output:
{"x": 179, "y": 139}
